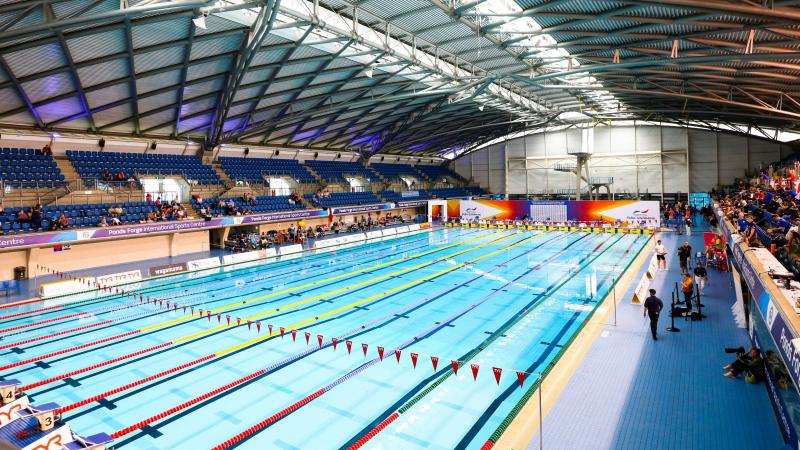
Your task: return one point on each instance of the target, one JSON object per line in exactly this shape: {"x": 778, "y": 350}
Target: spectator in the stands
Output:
{"x": 106, "y": 175}
{"x": 750, "y": 363}
{"x": 158, "y": 201}
{"x": 741, "y": 222}
{"x": 46, "y": 150}
{"x": 291, "y": 232}
{"x": 36, "y": 217}
{"x": 63, "y": 222}
{"x": 23, "y": 216}
{"x": 102, "y": 222}
{"x": 148, "y": 197}
{"x": 120, "y": 176}
{"x": 750, "y": 237}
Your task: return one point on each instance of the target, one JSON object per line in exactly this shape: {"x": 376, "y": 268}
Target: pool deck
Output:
{"x": 630, "y": 392}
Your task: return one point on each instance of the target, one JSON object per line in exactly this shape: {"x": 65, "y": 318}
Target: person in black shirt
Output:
{"x": 684, "y": 253}
{"x": 700, "y": 277}
{"x": 652, "y": 307}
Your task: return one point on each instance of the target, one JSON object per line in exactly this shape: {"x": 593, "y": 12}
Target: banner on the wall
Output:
{"x": 630, "y": 211}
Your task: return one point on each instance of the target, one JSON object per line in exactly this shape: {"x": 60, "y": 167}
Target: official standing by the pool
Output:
{"x": 652, "y": 307}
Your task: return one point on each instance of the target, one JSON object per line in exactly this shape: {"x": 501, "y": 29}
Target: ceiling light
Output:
{"x": 200, "y": 21}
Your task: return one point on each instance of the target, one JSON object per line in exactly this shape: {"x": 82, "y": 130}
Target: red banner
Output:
{"x": 435, "y": 362}
{"x": 414, "y": 357}
{"x": 497, "y": 372}
{"x": 474, "y": 368}
{"x": 455, "y": 366}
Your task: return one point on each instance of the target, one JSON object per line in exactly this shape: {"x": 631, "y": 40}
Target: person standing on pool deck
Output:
{"x": 684, "y": 253}
{"x": 661, "y": 255}
{"x": 652, "y": 307}
{"x": 700, "y": 277}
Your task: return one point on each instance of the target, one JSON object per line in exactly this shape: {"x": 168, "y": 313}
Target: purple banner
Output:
{"x": 412, "y": 203}
{"x": 7, "y": 242}
{"x": 362, "y": 208}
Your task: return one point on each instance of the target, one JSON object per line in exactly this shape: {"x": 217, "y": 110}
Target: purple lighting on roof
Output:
{"x": 419, "y": 146}
{"x": 308, "y": 134}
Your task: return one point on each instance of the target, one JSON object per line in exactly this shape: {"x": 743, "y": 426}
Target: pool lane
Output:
{"x": 285, "y": 291}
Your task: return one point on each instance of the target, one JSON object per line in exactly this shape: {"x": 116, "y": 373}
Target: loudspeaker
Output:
{"x": 338, "y": 155}
{"x": 153, "y": 145}
{"x": 277, "y": 152}
{"x": 316, "y": 154}
{"x": 101, "y": 143}
{"x": 381, "y": 158}
{"x": 246, "y": 151}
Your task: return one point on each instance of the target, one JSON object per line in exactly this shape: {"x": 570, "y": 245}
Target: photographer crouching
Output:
{"x": 749, "y": 363}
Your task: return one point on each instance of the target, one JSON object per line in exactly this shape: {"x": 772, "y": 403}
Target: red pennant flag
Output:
{"x": 148, "y": 299}
{"x": 349, "y": 344}
{"x": 397, "y": 354}
{"x": 167, "y": 304}
{"x": 238, "y": 321}
{"x": 294, "y": 335}
{"x": 228, "y": 318}
{"x": 380, "y": 353}
{"x": 269, "y": 326}
{"x": 201, "y": 313}
{"x": 334, "y": 343}
{"x": 174, "y": 306}
{"x": 520, "y": 378}
{"x": 497, "y": 372}
{"x": 191, "y": 308}
{"x": 208, "y": 315}
{"x": 219, "y": 318}
{"x": 308, "y": 336}
{"x": 435, "y": 362}
{"x": 474, "y": 368}
{"x": 364, "y": 347}
{"x": 184, "y": 309}
{"x": 258, "y": 327}
{"x": 249, "y": 323}
{"x": 319, "y": 340}
{"x": 141, "y": 297}
{"x": 414, "y": 357}
{"x": 455, "y": 366}
{"x": 283, "y": 330}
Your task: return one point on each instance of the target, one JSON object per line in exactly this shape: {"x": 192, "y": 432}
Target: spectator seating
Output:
{"x": 80, "y": 216}
{"x": 394, "y": 196}
{"x": 393, "y": 172}
{"x": 263, "y": 204}
{"x": 457, "y": 192}
{"x": 437, "y": 173}
{"x": 90, "y": 165}
{"x": 254, "y": 169}
{"x": 23, "y": 168}
{"x": 335, "y": 171}
{"x": 346, "y": 199}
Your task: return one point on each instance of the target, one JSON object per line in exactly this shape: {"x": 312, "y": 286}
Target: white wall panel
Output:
{"x": 555, "y": 143}
{"x": 643, "y": 159}
{"x": 534, "y": 144}
{"x": 732, "y": 162}
{"x": 762, "y": 153}
{"x": 648, "y": 139}
{"x": 673, "y": 138}
{"x": 602, "y": 140}
{"x": 515, "y": 148}
{"x": 623, "y": 140}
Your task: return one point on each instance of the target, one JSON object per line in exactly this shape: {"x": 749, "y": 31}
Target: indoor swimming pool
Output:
{"x": 346, "y": 348}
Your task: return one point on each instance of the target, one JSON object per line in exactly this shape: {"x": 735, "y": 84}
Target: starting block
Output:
{"x": 8, "y": 391}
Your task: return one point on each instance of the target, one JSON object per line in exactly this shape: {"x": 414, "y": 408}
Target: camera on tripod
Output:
{"x": 738, "y": 350}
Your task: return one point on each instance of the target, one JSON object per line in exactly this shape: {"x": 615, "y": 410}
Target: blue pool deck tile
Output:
{"x": 631, "y": 393}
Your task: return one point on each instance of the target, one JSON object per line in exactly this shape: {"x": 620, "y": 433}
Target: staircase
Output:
{"x": 319, "y": 179}
{"x": 190, "y": 211}
{"x": 66, "y": 168}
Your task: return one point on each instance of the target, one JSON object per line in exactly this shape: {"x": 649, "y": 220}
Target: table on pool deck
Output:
{"x": 630, "y": 392}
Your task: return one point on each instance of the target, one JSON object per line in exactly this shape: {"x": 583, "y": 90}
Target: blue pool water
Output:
{"x": 460, "y": 292}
